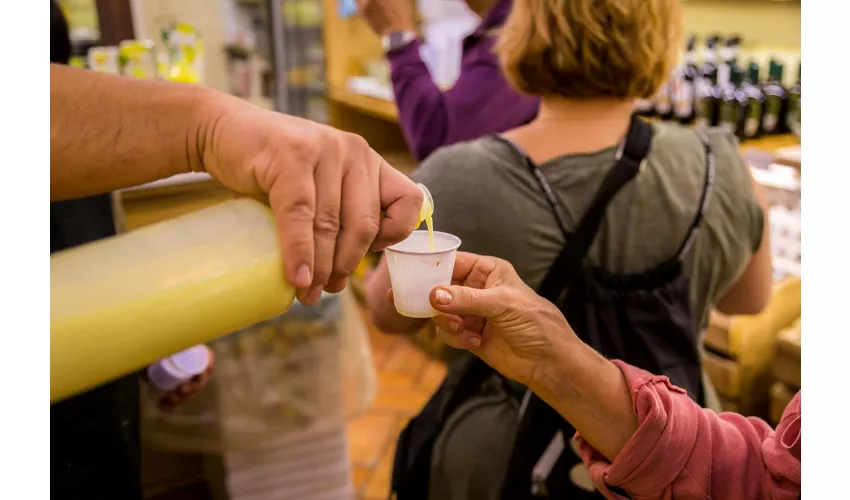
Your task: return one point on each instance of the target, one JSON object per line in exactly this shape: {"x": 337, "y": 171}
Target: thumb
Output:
{"x": 465, "y": 301}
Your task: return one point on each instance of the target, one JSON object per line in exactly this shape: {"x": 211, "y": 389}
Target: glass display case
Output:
{"x": 288, "y": 34}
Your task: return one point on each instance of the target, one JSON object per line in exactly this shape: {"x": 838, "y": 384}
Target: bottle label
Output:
{"x": 729, "y": 117}
{"x": 723, "y": 75}
{"x": 771, "y": 114}
{"x": 770, "y": 122}
{"x": 683, "y": 98}
{"x": 662, "y": 100}
{"x": 644, "y": 105}
{"x": 751, "y": 125}
{"x": 793, "y": 117}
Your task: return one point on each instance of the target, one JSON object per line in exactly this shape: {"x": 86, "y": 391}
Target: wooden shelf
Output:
{"x": 772, "y": 143}
{"x": 373, "y": 106}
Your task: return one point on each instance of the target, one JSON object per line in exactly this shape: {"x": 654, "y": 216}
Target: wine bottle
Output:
{"x": 775, "y": 101}
{"x": 644, "y": 107}
{"x": 705, "y": 101}
{"x": 664, "y": 100}
{"x": 683, "y": 86}
{"x": 793, "y": 116}
{"x": 755, "y": 102}
{"x": 733, "y": 103}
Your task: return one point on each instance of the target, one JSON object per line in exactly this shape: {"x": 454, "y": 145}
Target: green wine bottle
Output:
{"x": 776, "y": 101}
{"x": 793, "y": 116}
{"x": 683, "y": 90}
{"x": 733, "y": 103}
{"x": 755, "y": 102}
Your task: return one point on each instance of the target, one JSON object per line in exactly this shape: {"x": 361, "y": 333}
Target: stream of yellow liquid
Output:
{"x": 426, "y": 214}
{"x": 429, "y": 223}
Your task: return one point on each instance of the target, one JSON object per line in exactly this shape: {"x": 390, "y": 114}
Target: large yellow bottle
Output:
{"x": 119, "y": 304}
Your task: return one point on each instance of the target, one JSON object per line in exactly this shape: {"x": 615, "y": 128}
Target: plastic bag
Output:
{"x": 309, "y": 367}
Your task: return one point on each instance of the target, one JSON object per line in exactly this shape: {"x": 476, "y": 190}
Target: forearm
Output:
{"x": 752, "y": 292}
{"x": 109, "y": 132}
{"x": 590, "y": 392}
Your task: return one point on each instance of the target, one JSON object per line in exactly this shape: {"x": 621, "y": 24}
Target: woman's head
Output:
{"x": 586, "y": 49}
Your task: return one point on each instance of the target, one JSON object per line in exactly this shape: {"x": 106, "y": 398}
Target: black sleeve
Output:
{"x": 60, "y": 37}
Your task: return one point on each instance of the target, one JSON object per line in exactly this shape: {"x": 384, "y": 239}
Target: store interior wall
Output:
{"x": 765, "y": 24}
{"x": 770, "y": 29}
{"x": 207, "y": 16}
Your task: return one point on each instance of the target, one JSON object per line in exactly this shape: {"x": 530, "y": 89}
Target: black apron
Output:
{"x": 644, "y": 319}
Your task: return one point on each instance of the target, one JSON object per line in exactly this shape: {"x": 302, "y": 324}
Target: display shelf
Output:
{"x": 374, "y": 106}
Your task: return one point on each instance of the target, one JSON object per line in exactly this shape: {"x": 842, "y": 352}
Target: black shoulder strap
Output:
{"x": 708, "y": 187}
{"x": 630, "y": 159}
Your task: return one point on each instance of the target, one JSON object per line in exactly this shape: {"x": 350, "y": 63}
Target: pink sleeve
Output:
{"x": 683, "y": 451}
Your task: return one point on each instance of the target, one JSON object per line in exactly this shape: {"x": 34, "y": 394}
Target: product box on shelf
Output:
{"x": 787, "y": 369}
{"x": 739, "y": 350}
{"x": 781, "y": 187}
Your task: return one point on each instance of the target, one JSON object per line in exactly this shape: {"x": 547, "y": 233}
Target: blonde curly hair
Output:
{"x": 579, "y": 49}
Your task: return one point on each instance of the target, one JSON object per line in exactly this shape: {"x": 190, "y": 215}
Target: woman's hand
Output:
{"x": 489, "y": 311}
{"x": 386, "y": 16}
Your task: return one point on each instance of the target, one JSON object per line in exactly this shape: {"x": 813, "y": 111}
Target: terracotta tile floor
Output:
{"x": 406, "y": 379}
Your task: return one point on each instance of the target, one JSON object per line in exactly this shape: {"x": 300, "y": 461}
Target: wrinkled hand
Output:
{"x": 187, "y": 390}
{"x": 386, "y": 16}
{"x": 489, "y": 311}
{"x": 327, "y": 188}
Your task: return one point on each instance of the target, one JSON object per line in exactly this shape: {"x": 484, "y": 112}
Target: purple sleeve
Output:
{"x": 480, "y": 103}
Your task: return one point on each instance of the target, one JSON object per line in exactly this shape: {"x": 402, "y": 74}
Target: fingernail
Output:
{"x": 454, "y": 326}
{"x": 475, "y": 342}
{"x": 444, "y": 297}
{"x": 302, "y": 277}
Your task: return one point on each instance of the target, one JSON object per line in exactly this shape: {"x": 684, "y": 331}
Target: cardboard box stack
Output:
{"x": 786, "y": 368}
{"x": 739, "y": 350}
{"x": 779, "y": 177}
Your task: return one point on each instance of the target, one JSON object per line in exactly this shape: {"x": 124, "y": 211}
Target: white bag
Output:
{"x": 309, "y": 367}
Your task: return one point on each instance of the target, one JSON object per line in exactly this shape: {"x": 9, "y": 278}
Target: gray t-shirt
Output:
{"x": 484, "y": 193}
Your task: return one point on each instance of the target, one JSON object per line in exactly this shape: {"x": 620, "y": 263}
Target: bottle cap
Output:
{"x": 167, "y": 374}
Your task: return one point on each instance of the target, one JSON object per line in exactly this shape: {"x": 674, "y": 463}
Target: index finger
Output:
{"x": 293, "y": 202}
{"x": 401, "y": 201}
{"x": 473, "y": 270}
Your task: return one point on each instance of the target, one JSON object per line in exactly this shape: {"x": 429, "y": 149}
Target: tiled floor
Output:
{"x": 406, "y": 377}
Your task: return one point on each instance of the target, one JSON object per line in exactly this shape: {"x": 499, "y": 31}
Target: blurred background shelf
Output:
{"x": 373, "y": 106}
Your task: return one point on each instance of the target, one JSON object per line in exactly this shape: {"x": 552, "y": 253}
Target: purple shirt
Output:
{"x": 480, "y": 103}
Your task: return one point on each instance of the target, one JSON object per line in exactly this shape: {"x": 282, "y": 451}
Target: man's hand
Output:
{"x": 327, "y": 188}
{"x": 386, "y": 16}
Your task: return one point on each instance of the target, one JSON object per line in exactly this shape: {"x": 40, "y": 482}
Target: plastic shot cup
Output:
{"x": 167, "y": 374}
{"x": 415, "y": 270}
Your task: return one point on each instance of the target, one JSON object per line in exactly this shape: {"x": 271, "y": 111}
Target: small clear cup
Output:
{"x": 415, "y": 270}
